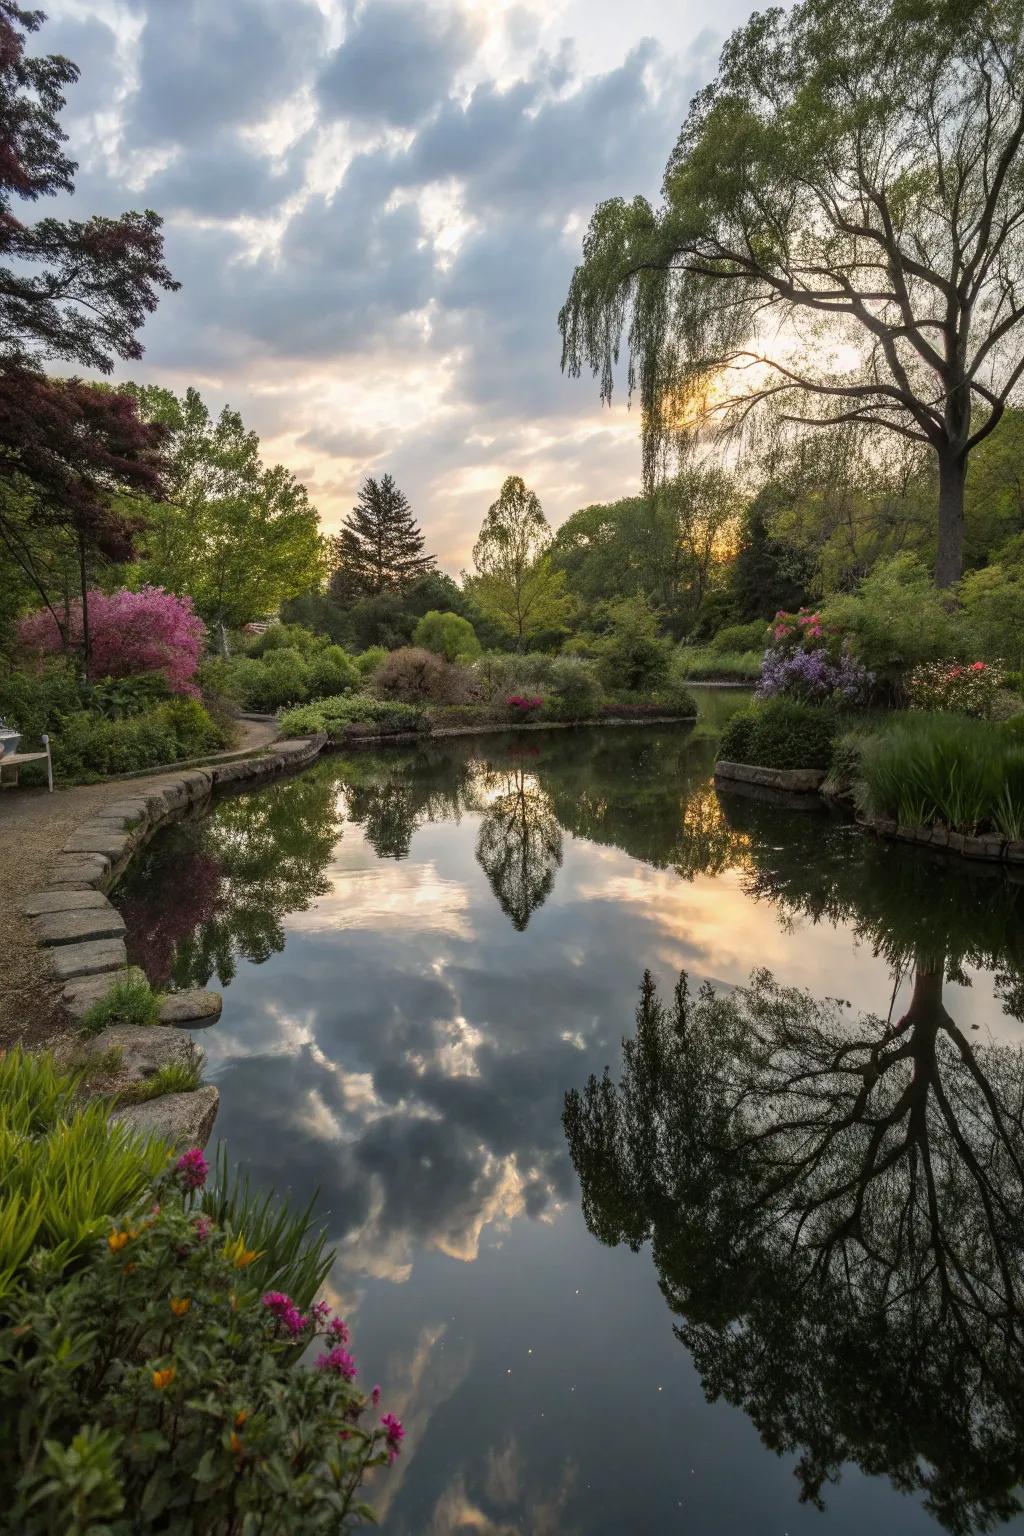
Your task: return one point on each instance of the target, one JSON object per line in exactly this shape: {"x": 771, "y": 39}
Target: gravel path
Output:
{"x": 34, "y": 826}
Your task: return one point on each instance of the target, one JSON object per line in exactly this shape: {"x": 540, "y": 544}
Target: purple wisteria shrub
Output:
{"x": 153, "y": 1387}
{"x": 814, "y": 675}
{"x": 956, "y": 687}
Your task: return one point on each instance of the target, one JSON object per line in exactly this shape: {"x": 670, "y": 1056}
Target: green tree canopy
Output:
{"x": 842, "y": 232}
{"x": 516, "y": 584}
{"x": 238, "y": 537}
{"x": 448, "y": 634}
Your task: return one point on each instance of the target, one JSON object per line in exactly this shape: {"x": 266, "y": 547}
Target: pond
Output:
{"x": 422, "y": 951}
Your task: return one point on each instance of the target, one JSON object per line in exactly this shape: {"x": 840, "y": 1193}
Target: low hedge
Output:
{"x": 780, "y": 733}
{"x": 352, "y": 714}
{"x": 87, "y": 746}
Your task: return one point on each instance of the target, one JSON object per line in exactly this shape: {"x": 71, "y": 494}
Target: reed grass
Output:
{"x": 945, "y": 770}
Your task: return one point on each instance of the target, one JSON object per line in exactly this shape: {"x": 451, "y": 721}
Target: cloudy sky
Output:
{"x": 374, "y": 210}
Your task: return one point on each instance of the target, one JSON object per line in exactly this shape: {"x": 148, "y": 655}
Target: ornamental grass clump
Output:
{"x": 947, "y": 771}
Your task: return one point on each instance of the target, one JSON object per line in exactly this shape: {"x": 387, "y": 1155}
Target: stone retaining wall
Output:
{"x": 795, "y": 780}
{"x": 74, "y": 920}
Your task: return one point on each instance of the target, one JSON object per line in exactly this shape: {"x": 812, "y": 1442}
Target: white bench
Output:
{"x": 15, "y": 760}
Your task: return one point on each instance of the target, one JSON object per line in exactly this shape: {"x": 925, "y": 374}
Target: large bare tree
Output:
{"x": 841, "y": 232}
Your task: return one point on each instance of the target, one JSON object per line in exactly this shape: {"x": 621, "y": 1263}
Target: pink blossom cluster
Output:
{"x": 191, "y": 1169}
{"x": 129, "y": 632}
{"x": 524, "y": 703}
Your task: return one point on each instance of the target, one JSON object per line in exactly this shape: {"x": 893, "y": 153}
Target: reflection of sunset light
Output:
{"x": 410, "y": 892}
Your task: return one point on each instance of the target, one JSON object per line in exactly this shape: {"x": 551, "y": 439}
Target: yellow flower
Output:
{"x": 240, "y": 1256}
{"x": 241, "y": 1417}
{"x": 164, "y": 1378}
{"x": 180, "y": 1305}
{"x": 235, "y": 1443}
{"x": 117, "y": 1240}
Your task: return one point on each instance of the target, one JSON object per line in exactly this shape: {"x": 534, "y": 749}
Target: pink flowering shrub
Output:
{"x": 524, "y": 705}
{"x": 130, "y": 632}
{"x": 959, "y": 688}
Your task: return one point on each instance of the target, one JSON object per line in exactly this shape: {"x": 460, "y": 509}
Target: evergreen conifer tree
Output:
{"x": 380, "y": 547}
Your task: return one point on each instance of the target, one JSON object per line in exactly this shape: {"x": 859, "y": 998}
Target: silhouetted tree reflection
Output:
{"x": 519, "y": 846}
{"x": 268, "y": 852}
{"x": 836, "y": 1212}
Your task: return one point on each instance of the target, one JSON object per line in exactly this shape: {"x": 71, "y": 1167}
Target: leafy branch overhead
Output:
{"x": 841, "y": 232}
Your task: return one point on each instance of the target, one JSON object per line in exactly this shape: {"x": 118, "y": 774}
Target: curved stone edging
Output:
{"x": 73, "y": 918}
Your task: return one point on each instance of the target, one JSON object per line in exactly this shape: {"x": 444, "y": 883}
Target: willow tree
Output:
{"x": 841, "y": 233}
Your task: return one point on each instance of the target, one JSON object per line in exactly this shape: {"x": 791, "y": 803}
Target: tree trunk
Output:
{"x": 222, "y": 639}
{"x": 952, "y": 475}
{"x": 83, "y": 576}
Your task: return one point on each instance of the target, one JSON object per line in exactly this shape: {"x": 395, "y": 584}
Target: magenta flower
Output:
{"x": 285, "y": 1312}
{"x": 321, "y": 1311}
{"x": 340, "y": 1329}
{"x": 395, "y": 1434}
{"x": 375, "y": 1396}
{"x": 338, "y": 1360}
{"x": 204, "y": 1226}
{"x": 192, "y": 1169}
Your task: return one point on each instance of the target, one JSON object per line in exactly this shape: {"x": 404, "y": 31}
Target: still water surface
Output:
{"x": 423, "y": 951}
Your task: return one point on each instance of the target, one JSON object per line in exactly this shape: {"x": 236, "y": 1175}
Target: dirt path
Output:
{"x": 34, "y": 826}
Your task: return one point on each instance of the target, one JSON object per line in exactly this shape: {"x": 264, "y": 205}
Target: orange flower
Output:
{"x": 164, "y": 1378}
{"x": 130, "y": 1269}
{"x": 241, "y": 1417}
{"x": 235, "y": 1443}
{"x": 180, "y": 1305}
{"x": 245, "y": 1258}
{"x": 117, "y": 1240}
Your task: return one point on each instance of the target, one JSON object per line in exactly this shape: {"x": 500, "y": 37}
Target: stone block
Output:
{"x": 88, "y": 959}
{"x": 80, "y": 869}
{"x": 191, "y": 1009}
{"x": 60, "y": 900}
{"x": 53, "y": 928}
{"x": 107, "y": 838}
{"x": 81, "y": 992}
{"x": 183, "y": 1119}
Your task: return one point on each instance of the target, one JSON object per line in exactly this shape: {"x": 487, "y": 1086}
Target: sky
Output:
{"x": 374, "y": 210}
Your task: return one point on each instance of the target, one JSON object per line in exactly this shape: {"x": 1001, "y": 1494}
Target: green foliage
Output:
{"x": 369, "y": 660}
{"x": 897, "y": 618}
{"x": 239, "y": 538}
{"x": 293, "y": 637}
{"x": 516, "y": 583}
{"x": 115, "y": 698}
{"x": 741, "y": 637}
{"x": 88, "y": 746}
{"x": 576, "y": 692}
{"x": 993, "y": 601}
{"x": 632, "y": 656}
{"x": 283, "y": 679}
{"x": 966, "y": 775}
{"x": 779, "y": 733}
{"x": 130, "y": 1001}
{"x": 172, "y": 1077}
{"x": 63, "y": 1170}
{"x": 955, "y": 689}
{"x": 499, "y": 673}
{"x": 356, "y": 714}
{"x": 380, "y": 547}
{"x": 333, "y": 671}
{"x": 153, "y": 1389}
{"x": 703, "y": 664}
{"x": 38, "y": 701}
{"x": 292, "y": 1252}
{"x": 448, "y": 635}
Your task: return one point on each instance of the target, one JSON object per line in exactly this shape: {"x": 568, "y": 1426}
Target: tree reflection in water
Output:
{"x": 210, "y": 891}
{"x": 519, "y": 846}
{"x": 836, "y": 1204}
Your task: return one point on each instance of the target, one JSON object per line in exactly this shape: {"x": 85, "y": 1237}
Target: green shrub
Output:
{"x": 131, "y": 1001}
{"x": 501, "y": 673}
{"x": 741, "y": 637}
{"x": 117, "y": 697}
{"x": 966, "y": 775}
{"x": 155, "y": 1389}
{"x": 283, "y": 679}
{"x": 897, "y": 618}
{"x": 333, "y": 672}
{"x": 633, "y": 656}
{"x": 38, "y": 701}
{"x": 674, "y": 695}
{"x": 369, "y": 660}
{"x": 234, "y": 678}
{"x": 290, "y": 637}
{"x": 779, "y": 733}
{"x": 576, "y": 692}
{"x": 448, "y": 635}
{"x": 87, "y": 746}
{"x": 339, "y": 716}
{"x": 699, "y": 663}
